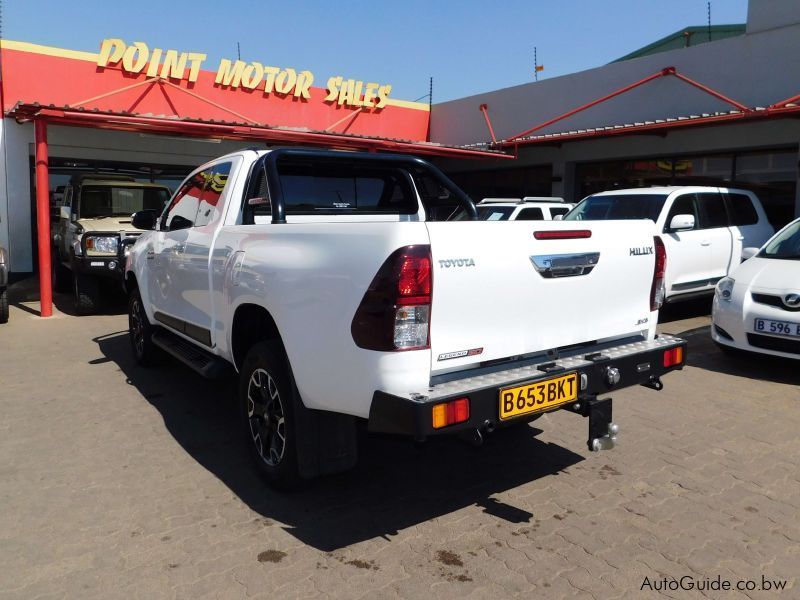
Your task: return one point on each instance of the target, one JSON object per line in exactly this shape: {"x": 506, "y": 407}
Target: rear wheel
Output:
{"x": 4, "y": 306}
{"x": 60, "y": 274}
{"x": 87, "y": 294}
{"x": 266, "y": 401}
{"x": 140, "y": 332}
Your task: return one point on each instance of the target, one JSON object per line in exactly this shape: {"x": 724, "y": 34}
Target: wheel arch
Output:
{"x": 251, "y": 324}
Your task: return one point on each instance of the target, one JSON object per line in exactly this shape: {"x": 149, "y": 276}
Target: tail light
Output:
{"x": 395, "y": 311}
{"x": 658, "y": 291}
{"x": 563, "y": 234}
{"x": 450, "y": 413}
{"x": 673, "y": 356}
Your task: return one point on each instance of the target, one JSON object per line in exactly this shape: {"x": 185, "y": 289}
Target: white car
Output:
{"x": 529, "y": 208}
{"x": 704, "y": 229}
{"x": 327, "y": 282}
{"x": 757, "y": 308}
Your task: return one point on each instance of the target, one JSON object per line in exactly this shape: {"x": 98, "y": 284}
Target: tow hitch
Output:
{"x": 602, "y": 431}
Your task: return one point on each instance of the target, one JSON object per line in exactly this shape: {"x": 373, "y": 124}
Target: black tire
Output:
{"x": 87, "y": 294}
{"x": 4, "y": 306}
{"x": 61, "y": 276}
{"x": 140, "y": 333}
{"x": 266, "y": 403}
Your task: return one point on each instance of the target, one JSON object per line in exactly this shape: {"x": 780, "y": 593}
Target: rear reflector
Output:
{"x": 565, "y": 234}
{"x": 673, "y": 356}
{"x": 450, "y": 413}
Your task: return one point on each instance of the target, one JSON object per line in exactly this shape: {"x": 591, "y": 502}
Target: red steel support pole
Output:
{"x": 627, "y": 88}
{"x": 43, "y": 217}
{"x": 485, "y": 110}
{"x": 711, "y": 92}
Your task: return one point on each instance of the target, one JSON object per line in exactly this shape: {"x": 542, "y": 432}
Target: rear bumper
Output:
{"x": 638, "y": 363}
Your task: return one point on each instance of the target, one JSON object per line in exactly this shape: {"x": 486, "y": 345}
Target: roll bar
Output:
{"x": 269, "y": 162}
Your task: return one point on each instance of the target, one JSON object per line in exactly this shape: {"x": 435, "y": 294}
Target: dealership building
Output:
{"x": 684, "y": 110}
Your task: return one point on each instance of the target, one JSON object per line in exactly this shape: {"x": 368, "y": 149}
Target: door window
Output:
{"x": 182, "y": 211}
{"x": 207, "y": 211}
{"x": 530, "y": 214}
{"x": 685, "y": 204}
{"x": 742, "y": 210}
{"x": 713, "y": 210}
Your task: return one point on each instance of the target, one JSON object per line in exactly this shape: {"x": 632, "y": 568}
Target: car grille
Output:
{"x": 773, "y": 300}
{"x": 773, "y": 343}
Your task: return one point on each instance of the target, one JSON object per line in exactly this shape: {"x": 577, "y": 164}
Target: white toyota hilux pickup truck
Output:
{"x": 333, "y": 285}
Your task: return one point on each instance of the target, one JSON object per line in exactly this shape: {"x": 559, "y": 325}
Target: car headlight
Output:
{"x": 102, "y": 244}
{"x": 725, "y": 288}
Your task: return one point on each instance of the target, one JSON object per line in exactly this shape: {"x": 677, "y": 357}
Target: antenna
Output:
{"x": 430, "y": 94}
{"x": 238, "y": 51}
{"x": 535, "y": 65}
{"x": 708, "y": 6}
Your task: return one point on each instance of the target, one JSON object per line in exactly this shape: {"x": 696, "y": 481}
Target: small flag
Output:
{"x": 539, "y": 68}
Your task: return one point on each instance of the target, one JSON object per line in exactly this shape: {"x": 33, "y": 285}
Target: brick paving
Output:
{"x": 117, "y": 481}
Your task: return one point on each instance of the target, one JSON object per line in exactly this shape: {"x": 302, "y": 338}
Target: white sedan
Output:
{"x": 757, "y": 308}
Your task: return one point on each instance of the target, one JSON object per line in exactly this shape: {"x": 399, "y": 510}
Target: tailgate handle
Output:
{"x": 565, "y": 265}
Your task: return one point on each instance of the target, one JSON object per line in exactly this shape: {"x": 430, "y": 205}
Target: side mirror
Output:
{"x": 65, "y": 212}
{"x": 748, "y": 253}
{"x": 681, "y": 223}
{"x": 144, "y": 219}
{"x": 558, "y": 218}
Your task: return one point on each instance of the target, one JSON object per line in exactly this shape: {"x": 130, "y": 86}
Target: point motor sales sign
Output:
{"x": 138, "y": 57}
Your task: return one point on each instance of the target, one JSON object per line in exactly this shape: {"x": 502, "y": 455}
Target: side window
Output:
{"x": 713, "y": 211}
{"x": 561, "y": 210}
{"x": 530, "y": 214}
{"x": 182, "y": 211}
{"x": 685, "y": 204}
{"x": 742, "y": 210}
{"x": 207, "y": 210}
{"x": 262, "y": 212}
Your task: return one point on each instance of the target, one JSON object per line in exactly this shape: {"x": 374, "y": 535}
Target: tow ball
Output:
{"x": 602, "y": 431}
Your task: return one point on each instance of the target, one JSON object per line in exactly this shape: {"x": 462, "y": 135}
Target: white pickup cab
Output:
{"x": 327, "y": 284}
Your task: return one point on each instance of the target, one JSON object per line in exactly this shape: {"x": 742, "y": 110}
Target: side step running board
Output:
{"x": 193, "y": 357}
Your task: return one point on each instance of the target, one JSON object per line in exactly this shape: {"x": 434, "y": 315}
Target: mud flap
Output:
{"x": 328, "y": 442}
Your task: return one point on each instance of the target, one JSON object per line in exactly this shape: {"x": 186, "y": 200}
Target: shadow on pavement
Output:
{"x": 686, "y": 309}
{"x": 395, "y": 485}
{"x": 704, "y": 354}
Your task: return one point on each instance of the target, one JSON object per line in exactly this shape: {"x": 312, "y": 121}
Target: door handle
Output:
{"x": 705, "y": 243}
{"x": 151, "y": 254}
{"x": 740, "y": 238}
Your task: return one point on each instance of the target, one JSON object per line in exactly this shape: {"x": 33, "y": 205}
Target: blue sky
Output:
{"x": 468, "y": 47}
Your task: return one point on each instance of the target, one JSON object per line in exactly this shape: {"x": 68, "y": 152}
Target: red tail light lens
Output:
{"x": 395, "y": 311}
{"x": 673, "y": 356}
{"x": 564, "y": 234}
{"x": 450, "y": 413}
{"x": 658, "y": 289}
{"x": 414, "y": 280}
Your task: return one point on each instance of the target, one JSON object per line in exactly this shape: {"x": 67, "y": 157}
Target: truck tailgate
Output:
{"x": 499, "y": 292}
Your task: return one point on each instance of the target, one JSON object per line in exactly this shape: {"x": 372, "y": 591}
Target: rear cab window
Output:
{"x": 530, "y": 214}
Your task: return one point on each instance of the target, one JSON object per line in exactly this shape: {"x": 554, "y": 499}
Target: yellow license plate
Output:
{"x": 538, "y": 396}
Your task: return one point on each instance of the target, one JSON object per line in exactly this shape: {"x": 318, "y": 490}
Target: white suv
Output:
{"x": 529, "y": 208}
{"x": 704, "y": 229}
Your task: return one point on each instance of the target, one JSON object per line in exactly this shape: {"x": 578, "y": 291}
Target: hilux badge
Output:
{"x": 641, "y": 251}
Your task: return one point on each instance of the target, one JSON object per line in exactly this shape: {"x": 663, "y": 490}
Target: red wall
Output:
{"x": 30, "y": 77}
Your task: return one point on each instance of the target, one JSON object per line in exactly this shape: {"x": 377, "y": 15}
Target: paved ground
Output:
{"x": 122, "y": 482}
